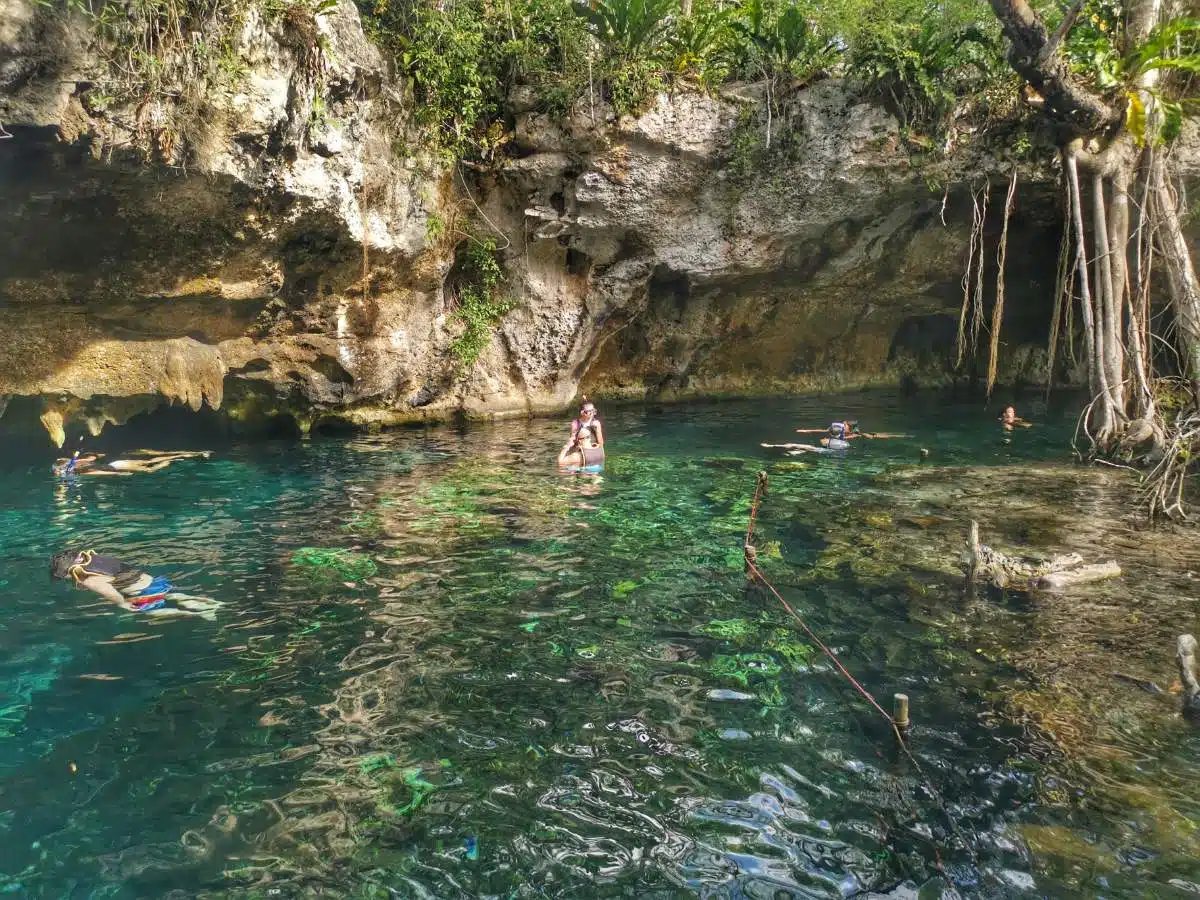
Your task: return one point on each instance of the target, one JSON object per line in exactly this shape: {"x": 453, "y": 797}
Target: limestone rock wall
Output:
{"x": 215, "y": 257}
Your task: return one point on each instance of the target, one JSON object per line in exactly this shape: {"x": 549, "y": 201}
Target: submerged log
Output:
{"x": 1056, "y": 581}
{"x": 1008, "y": 572}
{"x": 1185, "y": 655}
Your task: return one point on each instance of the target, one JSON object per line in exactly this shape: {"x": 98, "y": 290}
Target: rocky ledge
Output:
{"x": 279, "y": 251}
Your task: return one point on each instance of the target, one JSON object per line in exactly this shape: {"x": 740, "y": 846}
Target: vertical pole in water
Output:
{"x": 900, "y": 713}
{"x": 973, "y": 561}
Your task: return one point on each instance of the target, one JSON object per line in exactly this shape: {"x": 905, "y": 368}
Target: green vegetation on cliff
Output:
{"x": 466, "y": 58}
{"x": 481, "y": 305}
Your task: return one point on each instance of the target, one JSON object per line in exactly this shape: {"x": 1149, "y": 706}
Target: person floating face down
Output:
{"x": 836, "y": 439}
{"x": 585, "y": 447}
{"x": 96, "y": 464}
{"x": 127, "y": 586}
{"x": 840, "y": 435}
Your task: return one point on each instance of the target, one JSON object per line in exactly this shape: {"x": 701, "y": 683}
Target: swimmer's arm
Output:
{"x": 599, "y": 431}
{"x": 99, "y": 585}
{"x": 812, "y": 430}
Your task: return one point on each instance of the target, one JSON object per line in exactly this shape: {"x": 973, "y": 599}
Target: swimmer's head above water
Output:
{"x": 65, "y": 466}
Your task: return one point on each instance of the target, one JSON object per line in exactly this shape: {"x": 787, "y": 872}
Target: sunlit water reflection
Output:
{"x": 446, "y": 670}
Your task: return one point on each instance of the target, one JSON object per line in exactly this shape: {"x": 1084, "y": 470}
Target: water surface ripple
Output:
{"x": 445, "y": 670}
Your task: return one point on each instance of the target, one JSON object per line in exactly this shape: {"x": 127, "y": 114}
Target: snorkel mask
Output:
{"x": 62, "y": 563}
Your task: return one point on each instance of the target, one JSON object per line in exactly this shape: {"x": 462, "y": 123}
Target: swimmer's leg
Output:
{"x": 154, "y": 465}
{"x": 164, "y": 612}
{"x": 196, "y": 606}
{"x": 172, "y": 454}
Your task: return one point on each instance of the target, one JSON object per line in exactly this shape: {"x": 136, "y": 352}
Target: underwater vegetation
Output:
{"x": 323, "y": 565}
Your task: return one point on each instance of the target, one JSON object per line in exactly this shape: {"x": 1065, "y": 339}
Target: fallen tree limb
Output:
{"x": 1185, "y": 655}
{"x": 1003, "y": 571}
{"x": 1057, "y": 581}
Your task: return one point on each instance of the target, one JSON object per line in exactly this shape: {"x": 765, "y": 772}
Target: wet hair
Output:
{"x": 62, "y": 563}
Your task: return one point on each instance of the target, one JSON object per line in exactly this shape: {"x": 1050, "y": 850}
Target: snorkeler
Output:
{"x": 1010, "y": 420}
{"x": 96, "y": 464}
{"x": 586, "y": 444}
{"x": 838, "y": 439}
{"x": 848, "y": 432}
{"x": 127, "y": 586}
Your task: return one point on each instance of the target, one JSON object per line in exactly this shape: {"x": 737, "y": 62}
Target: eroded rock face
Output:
{"x": 835, "y": 266}
{"x": 215, "y": 256}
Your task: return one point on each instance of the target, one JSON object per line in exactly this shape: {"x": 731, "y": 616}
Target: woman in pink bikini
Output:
{"x": 586, "y": 445}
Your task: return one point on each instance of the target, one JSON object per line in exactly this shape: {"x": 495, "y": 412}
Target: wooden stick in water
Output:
{"x": 900, "y": 712}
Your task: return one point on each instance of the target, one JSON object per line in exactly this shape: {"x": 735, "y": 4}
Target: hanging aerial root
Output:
{"x": 976, "y": 241}
{"x": 977, "y": 298}
{"x": 998, "y": 306}
{"x": 1163, "y": 488}
{"x": 1062, "y": 301}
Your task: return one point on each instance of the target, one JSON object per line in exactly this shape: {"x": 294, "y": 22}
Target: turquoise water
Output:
{"x": 446, "y": 670}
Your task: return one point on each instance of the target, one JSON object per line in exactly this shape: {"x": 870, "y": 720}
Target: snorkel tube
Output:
{"x": 68, "y": 468}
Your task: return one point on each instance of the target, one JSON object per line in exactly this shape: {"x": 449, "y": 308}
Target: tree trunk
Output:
{"x": 1083, "y": 112}
{"x": 1108, "y": 308}
{"x": 1182, "y": 283}
{"x": 1097, "y": 381}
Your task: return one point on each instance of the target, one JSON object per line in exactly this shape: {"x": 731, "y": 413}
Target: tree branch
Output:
{"x": 1035, "y": 58}
{"x": 1061, "y": 32}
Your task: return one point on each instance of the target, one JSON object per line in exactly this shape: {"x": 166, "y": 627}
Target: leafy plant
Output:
{"x": 784, "y": 42}
{"x": 700, "y": 44}
{"x": 1093, "y": 50}
{"x": 921, "y": 70}
{"x": 480, "y": 303}
{"x": 633, "y": 28}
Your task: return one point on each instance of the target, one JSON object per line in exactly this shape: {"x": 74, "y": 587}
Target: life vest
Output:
{"x": 92, "y": 563}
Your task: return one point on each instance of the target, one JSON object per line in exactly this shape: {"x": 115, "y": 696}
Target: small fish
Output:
{"x": 100, "y": 676}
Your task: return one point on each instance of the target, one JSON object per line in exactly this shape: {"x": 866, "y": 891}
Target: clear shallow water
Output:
{"x": 446, "y": 670}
